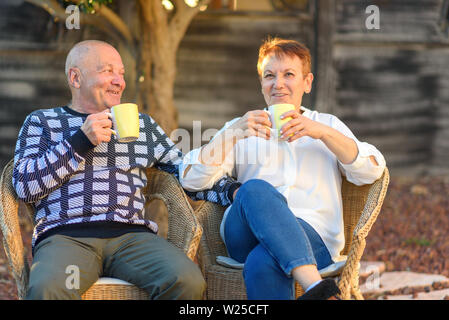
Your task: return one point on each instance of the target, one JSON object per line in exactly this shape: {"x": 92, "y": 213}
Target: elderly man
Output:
{"x": 87, "y": 189}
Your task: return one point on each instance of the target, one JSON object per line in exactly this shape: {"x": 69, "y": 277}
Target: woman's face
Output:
{"x": 282, "y": 80}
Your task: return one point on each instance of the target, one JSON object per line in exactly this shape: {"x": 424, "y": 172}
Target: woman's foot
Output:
{"x": 327, "y": 289}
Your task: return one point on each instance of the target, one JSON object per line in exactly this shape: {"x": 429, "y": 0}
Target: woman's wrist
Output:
{"x": 344, "y": 148}
{"x": 234, "y": 133}
{"x": 214, "y": 153}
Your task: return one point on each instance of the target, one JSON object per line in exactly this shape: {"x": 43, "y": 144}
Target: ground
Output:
{"x": 410, "y": 233}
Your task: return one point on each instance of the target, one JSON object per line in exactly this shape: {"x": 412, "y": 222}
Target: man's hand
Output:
{"x": 97, "y": 127}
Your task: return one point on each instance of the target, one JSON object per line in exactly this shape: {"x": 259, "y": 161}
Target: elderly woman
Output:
{"x": 286, "y": 221}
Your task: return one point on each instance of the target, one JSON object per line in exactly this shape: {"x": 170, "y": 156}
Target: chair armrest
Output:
{"x": 10, "y": 226}
{"x": 210, "y": 215}
{"x": 348, "y": 282}
{"x": 374, "y": 202}
{"x": 184, "y": 230}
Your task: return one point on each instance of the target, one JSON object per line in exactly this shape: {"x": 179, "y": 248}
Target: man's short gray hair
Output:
{"x": 79, "y": 51}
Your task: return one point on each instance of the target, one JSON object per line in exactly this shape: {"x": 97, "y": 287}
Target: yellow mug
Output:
{"x": 276, "y": 111}
{"x": 125, "y": 121}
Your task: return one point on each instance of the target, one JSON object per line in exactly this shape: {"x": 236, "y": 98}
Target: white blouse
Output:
{"x": 305, "y": 171}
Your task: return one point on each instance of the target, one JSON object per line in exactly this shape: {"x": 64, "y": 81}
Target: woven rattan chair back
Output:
{"x": 354, "y": 200}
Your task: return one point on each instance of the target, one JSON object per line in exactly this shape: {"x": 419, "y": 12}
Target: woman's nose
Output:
{"x": 278, "y": 82}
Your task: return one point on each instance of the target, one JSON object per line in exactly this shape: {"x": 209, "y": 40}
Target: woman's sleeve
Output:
{"x": 362, "y": 170}
{"x": 196, "y": 176}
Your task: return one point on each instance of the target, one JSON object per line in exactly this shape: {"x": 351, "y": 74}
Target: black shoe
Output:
{"x": 325, "y": 290}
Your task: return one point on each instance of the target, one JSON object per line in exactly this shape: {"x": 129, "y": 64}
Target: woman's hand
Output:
{"x": 253, "y": 123}
{"x": 344, "y": 148}
{"x": 300, "y": 126}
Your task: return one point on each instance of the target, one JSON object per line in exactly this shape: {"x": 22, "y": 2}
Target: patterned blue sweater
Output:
{"x": 70, "y": 181}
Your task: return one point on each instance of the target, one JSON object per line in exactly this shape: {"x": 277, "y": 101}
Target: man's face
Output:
{"x": 102, "y": 78}
{"x": 282, "y": 80}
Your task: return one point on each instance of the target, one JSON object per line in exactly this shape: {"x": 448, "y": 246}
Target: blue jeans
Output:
{"x": 262, "y": 232}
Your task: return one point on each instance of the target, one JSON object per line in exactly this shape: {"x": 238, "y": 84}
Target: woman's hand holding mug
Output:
{"x": 253, "y": 123}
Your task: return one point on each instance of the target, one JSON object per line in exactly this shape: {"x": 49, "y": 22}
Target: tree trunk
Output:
{"x": 157, "y": 61}
{"x": 162, "y": 84}
{"x": 160, "y": 88}
{"x": 155, "y": 85}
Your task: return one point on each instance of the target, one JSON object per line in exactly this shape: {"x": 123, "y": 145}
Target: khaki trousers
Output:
{"x": 142, "y": 258}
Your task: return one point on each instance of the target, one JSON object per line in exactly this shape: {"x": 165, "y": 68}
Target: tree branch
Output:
{"x": 51, "y": 6}
{"x": 182, "y": 18}
{"x": 114, "y": 19}
{"x": 57, "y": 11}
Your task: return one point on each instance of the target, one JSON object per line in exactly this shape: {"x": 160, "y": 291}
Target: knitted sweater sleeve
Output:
{"x": 41, "y": 165}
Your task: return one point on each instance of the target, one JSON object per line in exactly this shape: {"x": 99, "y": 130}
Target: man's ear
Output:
{"x": 74, "y": 77}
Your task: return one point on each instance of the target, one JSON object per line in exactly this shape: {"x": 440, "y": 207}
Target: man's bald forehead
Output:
{"x": 80, "y": 51}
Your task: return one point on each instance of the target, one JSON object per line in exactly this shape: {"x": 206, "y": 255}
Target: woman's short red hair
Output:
{"x": 279, "y": 47}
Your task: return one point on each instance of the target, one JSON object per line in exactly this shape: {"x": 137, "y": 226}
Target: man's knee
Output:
{"x": 181, "y": 282}
{"x": 190, "y": 283}
{"x": 50, "y": 288}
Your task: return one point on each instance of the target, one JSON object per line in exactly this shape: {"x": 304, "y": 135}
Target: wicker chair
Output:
{"x": 184, "y": 231}
{"x": 361, "y": 205}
